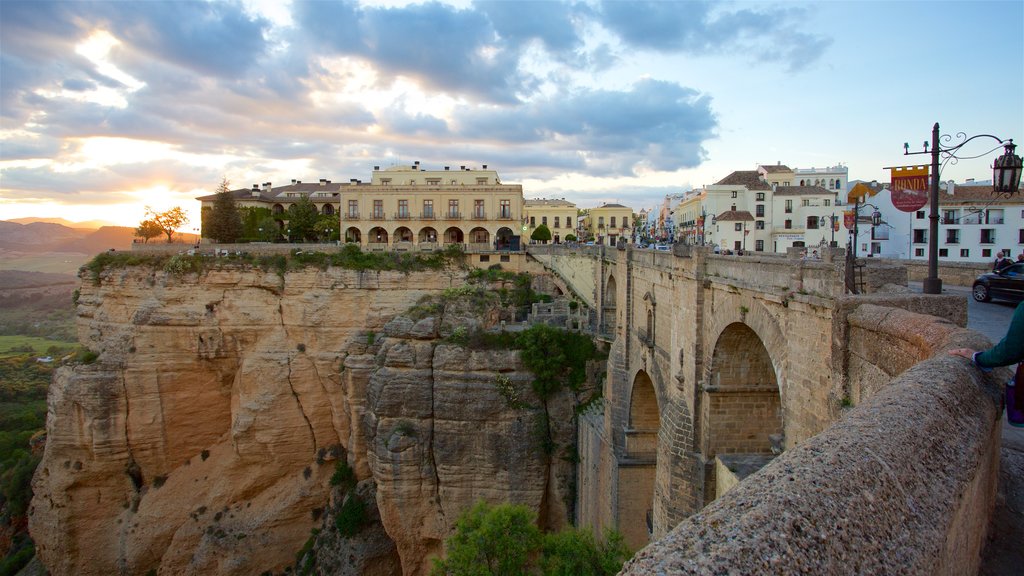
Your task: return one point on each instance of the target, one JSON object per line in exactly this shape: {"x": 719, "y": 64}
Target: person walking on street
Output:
{"x": 1009, "y": 350}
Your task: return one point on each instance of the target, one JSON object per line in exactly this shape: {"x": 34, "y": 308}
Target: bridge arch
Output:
{"x": 741, "y": 410}
{"x": 608, "y": 306}
{"x": 640, "y": 458}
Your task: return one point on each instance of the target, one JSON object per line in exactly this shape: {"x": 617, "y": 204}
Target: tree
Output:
{"x": 167, "y": 221}
{"x": 225, "y": 223}
{"x": 326, "y": 228}
{"x": 541, "y": 234}
{"x": 302, "y": 217}
{"x": 570, "y": 237}
{"x": 148, "y": 229}
{"x": 491, "y": 540}
{"x": 504, "y": 540}
{"x": 267, "y": 230}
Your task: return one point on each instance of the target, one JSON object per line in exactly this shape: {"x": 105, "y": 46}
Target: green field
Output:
{"x": 60, "y": 262}
{"x": 17, "y": 345}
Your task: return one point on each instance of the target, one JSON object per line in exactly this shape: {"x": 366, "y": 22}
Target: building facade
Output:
{"x": 559, "y": 215}
{"x": 407, "y": 207}
{"x": 607, "y": 223}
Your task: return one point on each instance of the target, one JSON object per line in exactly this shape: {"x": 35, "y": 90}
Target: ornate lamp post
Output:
{"x": 1006, "y": 171}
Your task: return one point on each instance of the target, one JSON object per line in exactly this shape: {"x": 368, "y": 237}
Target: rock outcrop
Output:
{"x": 203, "y": 438}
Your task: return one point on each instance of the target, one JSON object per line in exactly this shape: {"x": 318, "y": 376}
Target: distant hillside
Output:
{"x": 39, "y": 237}
{"x": 87, "y": 225}
{"x": 20, "y": 279}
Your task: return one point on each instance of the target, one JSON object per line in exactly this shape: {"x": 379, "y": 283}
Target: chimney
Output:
{"x": 446, "y": 168}
{"x": 266, "y": 187}
{"x": 485, "y": 166}
{"x": 255, "y": 190}
{"x": 462, "y": 167}
{"x": 298, "y": 181}
{"x": 416, "y": 163}
{"x": 376, "y": 168}
{"x": 328, "y": 181}
{"x": 323, "y": 182}
{"x": 293, "y": 181}
{"x": 352, "y": 181}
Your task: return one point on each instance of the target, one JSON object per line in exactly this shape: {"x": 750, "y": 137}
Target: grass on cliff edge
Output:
{"x": 350, "y": 257}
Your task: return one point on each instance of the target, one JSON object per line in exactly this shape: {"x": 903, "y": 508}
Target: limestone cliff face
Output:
{"x": 203, "y": 438}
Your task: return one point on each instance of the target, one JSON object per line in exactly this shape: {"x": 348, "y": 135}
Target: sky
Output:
{"x": 109, "y": 107}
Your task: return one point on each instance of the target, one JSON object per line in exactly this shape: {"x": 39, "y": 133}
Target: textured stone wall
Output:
{"x": 904, "y": 483}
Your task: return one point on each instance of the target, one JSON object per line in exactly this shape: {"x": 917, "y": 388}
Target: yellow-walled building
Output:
{"x": 558, "y": 215}
{"x": 606, "y": 224}
{"x": 406, "y": 207}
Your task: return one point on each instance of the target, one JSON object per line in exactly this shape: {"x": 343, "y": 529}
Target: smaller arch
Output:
{"x": 377, "y": 235}
{"x": 352, "y": 234}
{"x": 428, "y": 234}
{"x": 479, "y": 235}
{"x": 454, "y": 235}
{"x": 277, "y": 209}
{"x": 403, "y": 234}
{"x": 503, "y": 238}
{"x": 327, "y": 210}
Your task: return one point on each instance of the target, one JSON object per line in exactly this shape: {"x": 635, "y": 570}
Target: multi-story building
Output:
{"x": 275, "y": 202}
{"x": 559, "y": 215}
{"x": 974, "y": 224}
{"x": 763, "y": 210}
{"x": 407, "y": 207}
{"x": 607, "y": 223}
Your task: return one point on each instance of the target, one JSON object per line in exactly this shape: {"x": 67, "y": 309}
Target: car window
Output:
{"x": 1015, "y": 270}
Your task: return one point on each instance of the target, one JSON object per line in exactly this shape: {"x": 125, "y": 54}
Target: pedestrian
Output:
{"x": 1020, "y": 257}
{"x": 1010, "y": 350}
{"x": 815, "y": 256}
{"x": 1001, "y": 262}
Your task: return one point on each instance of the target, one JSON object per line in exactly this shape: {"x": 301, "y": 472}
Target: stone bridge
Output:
{"x": 719, "y": 363}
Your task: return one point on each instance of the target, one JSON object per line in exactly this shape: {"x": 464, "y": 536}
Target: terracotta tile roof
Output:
{"x": 774, "y": 168}
{"x": 976, "y": 194}
{"x": 749, "y": 178}
{"x": 803, "y": 191}
{"x": 274, "y": 194}
{"x": 735, "y": 216}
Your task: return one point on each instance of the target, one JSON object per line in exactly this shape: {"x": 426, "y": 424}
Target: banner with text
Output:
{"x": 909, "y": 187}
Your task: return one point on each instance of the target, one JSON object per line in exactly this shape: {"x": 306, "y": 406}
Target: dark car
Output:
{"x": 1006, "y": 284}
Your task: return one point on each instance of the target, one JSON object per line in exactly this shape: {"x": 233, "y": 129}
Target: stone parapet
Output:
{"x": 903, "y": 483}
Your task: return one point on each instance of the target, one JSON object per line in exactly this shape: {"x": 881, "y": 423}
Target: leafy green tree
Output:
{"x": 541, "y": 234}
{"x": 326, "y": 228}
{"x": 302, "y": 216}
{"x": 267, "y": 230}
{"x": 504, "y": 540}
{"x": 167, "y": 221}
{"x": 491, "y": 540}
{"x": 252, "y": 221}
{"x": 570, "y": 237}
{"x": 147, "y": 230}
{"x": 225, "y": 223}
{"x": 575, "y": 552}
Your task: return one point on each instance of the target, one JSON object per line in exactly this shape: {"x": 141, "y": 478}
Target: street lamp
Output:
{"x": 289, "y": 232}
{"x": 1006, "y": 171}
{"x": 831, "y": 226}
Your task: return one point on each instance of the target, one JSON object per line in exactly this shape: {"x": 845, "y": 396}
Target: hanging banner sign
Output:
{"x": 849, "y": 219}
{"x": 909, "y": 188}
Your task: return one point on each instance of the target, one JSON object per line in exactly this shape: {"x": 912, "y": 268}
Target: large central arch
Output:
{"x": 741, "y": 406}
{"x": 638, "y": 468}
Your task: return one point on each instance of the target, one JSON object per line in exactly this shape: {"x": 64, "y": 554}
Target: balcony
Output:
{"x": 479, "y": 216}
{"x": 352, "y": 216}
{"x": 453, "y": 216}
{"x": 377, "y": 216}
{"x": 427, "y": 216}
{"x": 401, "y": 216}
{"x": 505, "y": 216}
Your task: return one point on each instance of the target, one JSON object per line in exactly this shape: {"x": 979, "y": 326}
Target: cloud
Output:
{"x": 700, "y": 27}
{"x": 660, "y": 125}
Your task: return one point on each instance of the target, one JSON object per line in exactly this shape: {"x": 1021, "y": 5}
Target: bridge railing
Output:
{"x": 903, "y": 483}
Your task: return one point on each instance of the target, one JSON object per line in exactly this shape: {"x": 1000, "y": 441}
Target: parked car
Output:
{"x": 662, "y": 247}
{"x": 1006, "y": 284}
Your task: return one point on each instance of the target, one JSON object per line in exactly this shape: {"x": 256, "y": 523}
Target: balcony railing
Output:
{"x": 504, "y": 216}
{"x": 401, "y": 216}
{"x": 351, "y": 216}
{"x": 377, "y": 216}
{"x": 479, "y": 216}
{"x": 453, "y": 216}
{"x": 426, "y": 216}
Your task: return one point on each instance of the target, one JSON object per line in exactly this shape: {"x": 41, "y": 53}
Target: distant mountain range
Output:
{"x": 87, "y": 225}
{"x": 40, "y": 237}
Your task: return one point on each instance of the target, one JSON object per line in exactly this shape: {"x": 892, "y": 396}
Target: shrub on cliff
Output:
{"x": 504, "y": 539}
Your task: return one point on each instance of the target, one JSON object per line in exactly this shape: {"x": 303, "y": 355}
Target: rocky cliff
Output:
{"x": 203, "y": 438}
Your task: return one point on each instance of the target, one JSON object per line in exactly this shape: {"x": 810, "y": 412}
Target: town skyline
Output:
{"x": 110, "y": 107}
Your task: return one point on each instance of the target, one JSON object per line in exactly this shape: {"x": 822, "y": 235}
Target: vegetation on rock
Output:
{"x": 505, "y": 540}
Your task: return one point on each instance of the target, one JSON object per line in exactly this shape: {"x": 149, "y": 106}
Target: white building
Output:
{"x": 974, "y": 224}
